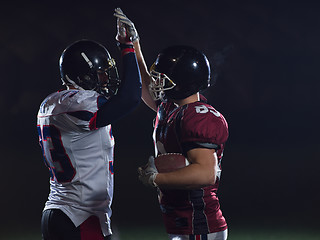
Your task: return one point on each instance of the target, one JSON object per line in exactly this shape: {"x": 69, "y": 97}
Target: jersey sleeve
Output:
{"x": 203, "y": 126}
{"x": 81, "y": 108}
{"x": 127, "y": 98}
{"x": 71, "y": 110}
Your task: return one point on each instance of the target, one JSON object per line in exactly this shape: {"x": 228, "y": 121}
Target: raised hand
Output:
{"x": 126, "y": 28}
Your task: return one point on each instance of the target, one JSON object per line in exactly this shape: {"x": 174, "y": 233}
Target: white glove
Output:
{"x": 121, "y": 36}
{"x": 124, "y": 22}
{"x": 148, "y": 173}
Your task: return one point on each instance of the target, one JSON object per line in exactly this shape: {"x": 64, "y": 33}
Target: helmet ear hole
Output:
{"x": 79, "y": 65}
{"x": 187, "y": 67}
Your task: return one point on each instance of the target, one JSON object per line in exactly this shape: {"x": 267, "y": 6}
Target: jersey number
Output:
{"x": 205, "y": 109}
{"x": 57, "y": 160}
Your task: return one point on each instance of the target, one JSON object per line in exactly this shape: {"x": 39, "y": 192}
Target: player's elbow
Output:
{"x": 134, "y": 101}
{"x": 207, "y": 179}
{"x": 201, "y": 183}
{"x": 129, "y": 101}
{"x": 210, "y": 179}
{"x": 213, "y": 181}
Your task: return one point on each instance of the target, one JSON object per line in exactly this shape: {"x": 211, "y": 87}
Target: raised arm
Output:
{"x": 145, "y": 76}
{"x": 129, "y": 94}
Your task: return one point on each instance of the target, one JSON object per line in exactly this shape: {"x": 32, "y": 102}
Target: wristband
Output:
{"x": 125, "y": 47}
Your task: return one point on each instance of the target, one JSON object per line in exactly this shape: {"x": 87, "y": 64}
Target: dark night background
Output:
{"x": 265, "y": 61}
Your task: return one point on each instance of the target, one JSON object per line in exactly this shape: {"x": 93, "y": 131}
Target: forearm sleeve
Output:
{"x": 128, "y": 96}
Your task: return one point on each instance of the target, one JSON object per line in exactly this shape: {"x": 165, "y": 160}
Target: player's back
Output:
{"x": 79, "y": 159}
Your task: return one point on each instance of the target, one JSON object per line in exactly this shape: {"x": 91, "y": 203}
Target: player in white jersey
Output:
{"x": 74, "y": 127}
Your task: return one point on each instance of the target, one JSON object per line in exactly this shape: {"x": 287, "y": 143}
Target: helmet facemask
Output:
{"x": 108, "y": 81}
{"x": 160, "y": 83}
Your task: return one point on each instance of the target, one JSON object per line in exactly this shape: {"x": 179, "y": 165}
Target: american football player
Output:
{"x": 185, "y": 125}
{"x": 75, "y": 136}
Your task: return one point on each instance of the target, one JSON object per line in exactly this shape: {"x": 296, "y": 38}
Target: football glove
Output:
{"x": 148, "y": 173}
{"x": 129, "y": 30}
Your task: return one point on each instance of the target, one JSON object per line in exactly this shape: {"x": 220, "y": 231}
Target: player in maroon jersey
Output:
{"x": 185, "y": 124}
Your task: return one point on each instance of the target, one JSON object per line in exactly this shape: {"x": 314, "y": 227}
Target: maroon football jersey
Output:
{"x": 177, "y": 130}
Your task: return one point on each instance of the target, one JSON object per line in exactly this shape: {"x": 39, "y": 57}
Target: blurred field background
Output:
{"x": 157, "y": 233}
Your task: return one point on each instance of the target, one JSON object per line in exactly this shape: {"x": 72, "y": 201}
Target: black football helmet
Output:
{"x": 87, "y": 65}
{"x": 179, "y": 72}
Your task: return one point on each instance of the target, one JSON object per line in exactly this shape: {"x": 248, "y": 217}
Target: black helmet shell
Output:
{"x": 81, "y": 60}
{"x": 187, "y": 67}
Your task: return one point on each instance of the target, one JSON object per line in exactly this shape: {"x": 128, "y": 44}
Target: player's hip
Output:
{"x": 55, "y": 224}
{"x": 194, "y": 222}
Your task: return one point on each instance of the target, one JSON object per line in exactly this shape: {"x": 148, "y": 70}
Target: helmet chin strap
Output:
{"x": 73, "y": 83}
{"x": 76, "y": 86}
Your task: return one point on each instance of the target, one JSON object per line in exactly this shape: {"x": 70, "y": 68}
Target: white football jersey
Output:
{"x": 79, "y": 158}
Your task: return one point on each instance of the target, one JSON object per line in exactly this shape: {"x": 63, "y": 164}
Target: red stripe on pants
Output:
{"x": 90, "y": 229}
